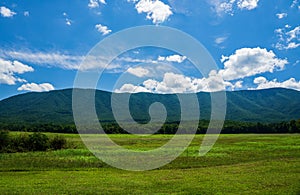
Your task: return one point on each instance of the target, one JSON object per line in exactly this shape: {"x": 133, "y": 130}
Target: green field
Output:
{"x": 238, "y": 164}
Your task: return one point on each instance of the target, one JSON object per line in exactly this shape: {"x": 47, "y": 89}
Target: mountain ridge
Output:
{"x": 265, "y": 105}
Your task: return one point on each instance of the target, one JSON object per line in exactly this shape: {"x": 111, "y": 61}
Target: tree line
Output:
{"x": 230, "y": 127}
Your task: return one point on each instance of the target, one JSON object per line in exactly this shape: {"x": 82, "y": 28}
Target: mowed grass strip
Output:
{"x": 238, "y": 164}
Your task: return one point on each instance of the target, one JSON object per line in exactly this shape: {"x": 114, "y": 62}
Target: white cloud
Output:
{"x": 263, "y": 83}
{"x": 136, "y": 60}
{"x": 288, "y": 39}
{"x": 129, "y": 88}
{"x": 224, "y": 58}
{"x": 172, "y": 58}
{"x": 295, "y": 3}
{"x": 138, "y": 71}
{"x": 95, "y": 3}
{"x": 26, "y": 13}
{"x": 247, "y": 4}
{"x": 281, "y": 15}
{"x": 247, "y": 62}
{"x": 36, "y": 87}
{"x": 6, "y": 12}
{"x": 48, "y": 59}
{"x": 156, "y": 10}
{"x": 9, "y": 70}
{"x": 222, "y": 7}
{"x": 68, "y": 22}
{"x": 103, "y": 29}
{"x": 220, "y": 40}
{"x": 178, "y": 83}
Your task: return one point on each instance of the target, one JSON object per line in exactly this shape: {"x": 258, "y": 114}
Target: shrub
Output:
{"x": 38, "y": 142}
{"x": 30, "y": 142}
{"x": 20, "y": 143}
{"x": 57, "y": 143}
{"x": 4, "y": 140}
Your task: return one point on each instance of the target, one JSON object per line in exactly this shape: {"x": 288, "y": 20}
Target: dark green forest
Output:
{"x": 230, "y": 127}
{"x": 259, "y": 111}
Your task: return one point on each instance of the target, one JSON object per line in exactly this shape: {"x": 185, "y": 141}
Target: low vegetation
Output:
{"x": 26, "y": 142}
{"x": 237, "y": 164}
{"x": 230, "y": 127}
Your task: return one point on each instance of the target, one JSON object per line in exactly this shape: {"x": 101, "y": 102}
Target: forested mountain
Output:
{"x": 270, "y": 105}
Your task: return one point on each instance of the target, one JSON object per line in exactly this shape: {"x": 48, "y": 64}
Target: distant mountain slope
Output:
{"x": 271, "y": 105}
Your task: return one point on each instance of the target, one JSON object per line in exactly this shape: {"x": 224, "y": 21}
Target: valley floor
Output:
{"x": 238, "y": 164}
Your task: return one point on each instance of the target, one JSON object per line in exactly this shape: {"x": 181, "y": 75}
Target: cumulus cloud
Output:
{"x": 95, "y": 3}
{"x": 247, "y": 62}
{"x": 10, "y": 69}
{"x": 247, "y": 4}
{"x": 229, "y": 6}
{"x": 6, "y": 12}
{"x": 156, "y": 10}
{"x": 288, "y": 39}
{"x": 138, "y": 71}
{"x": 47, "y": 59}
{"x": 130, "y": 88}
{"x": 172, "y": 58}
{"x": 222, "y": 6}
{"x": 281, "y": 15}
{"x": 103, "y": 29}
{"x": 36, "y": 87}
{"x": 263, "y": 83}
{"x": 178, "y": 83}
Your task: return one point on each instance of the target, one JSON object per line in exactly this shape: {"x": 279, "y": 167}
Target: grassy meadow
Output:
{"x": 237, "y": 164}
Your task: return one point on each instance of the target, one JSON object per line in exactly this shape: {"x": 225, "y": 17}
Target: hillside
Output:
{"x": 271, "y": 105}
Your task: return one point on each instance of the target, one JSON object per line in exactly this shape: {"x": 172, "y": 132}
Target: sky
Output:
{"x": 255, "y": 44}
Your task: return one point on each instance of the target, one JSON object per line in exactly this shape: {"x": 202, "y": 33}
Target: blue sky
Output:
{"x": 255, "y": 43}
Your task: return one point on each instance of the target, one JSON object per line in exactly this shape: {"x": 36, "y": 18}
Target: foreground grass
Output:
{"x": 238, "y": 164}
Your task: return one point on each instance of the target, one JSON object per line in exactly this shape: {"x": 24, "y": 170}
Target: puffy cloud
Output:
{"x": 178, "y": 83}
{"x": 281, "y": 15}
{"x": 103, "y": 29}
{"x": 26, "y": 13}
{"x": 5, "y": 12}
{"x": 229, "y": 6}
{"x": 156, "y": 10}
{"x": 95, "y": 3}
{"x": 138, "y": 71}
{"x": 247, "y": 62}
{"x": 48, "y": 59}
{"x": 263, "y": 83}
{"x": 9, "y": 69}
{"x": 222, "y": 6}
{"x": 172, "y": 58}
{"x": 288, "y": 39}
{"x": 247, "y": 4}
{"x": 129, "y": 88}
{"x": 36, "y": 87}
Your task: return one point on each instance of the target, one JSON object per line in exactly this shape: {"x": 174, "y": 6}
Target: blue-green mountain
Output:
{"x": 270, "y": 105}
